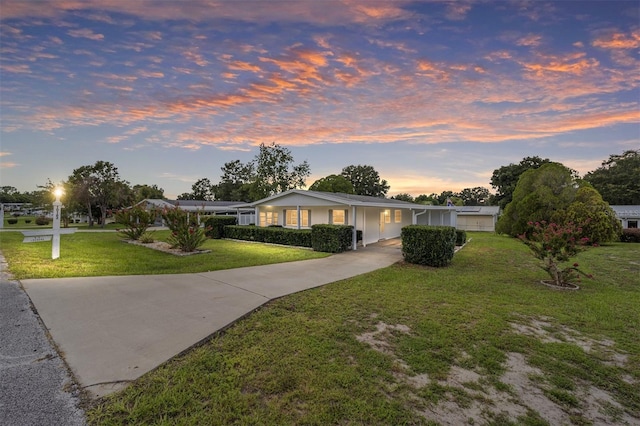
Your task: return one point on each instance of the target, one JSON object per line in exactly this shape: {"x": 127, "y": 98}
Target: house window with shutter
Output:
{"x": 338, "y": 217}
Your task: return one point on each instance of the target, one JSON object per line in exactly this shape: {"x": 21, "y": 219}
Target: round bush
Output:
{"x": 12, "y": 221}
{"x": 42, "y": 220}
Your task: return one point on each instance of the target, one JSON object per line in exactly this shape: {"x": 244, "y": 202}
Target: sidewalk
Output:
{"x": 112, "y": 330}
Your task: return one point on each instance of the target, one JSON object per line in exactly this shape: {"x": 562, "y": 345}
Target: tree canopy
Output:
{"x": 617, "y": 179}
{"x": 366, "y": 181}
{"x": 333, "y": 183}
{"x": 235, "y": 181}
{"x": 505, "y": 179}
{"x": 100, "y": 186}
{"x": 552, "y": 193}
{"x": 275, "y": 172}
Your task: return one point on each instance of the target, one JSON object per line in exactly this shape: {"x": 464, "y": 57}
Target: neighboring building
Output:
{"x": 629, "y": 216}
{"x": 377, "y": 218}
{"x": 477, "y": 218}
{"x": 203, "y": 208}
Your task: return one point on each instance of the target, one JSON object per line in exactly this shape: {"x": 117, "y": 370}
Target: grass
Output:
{"x": 86, "y": 254}
{"x": 304, "y": 359}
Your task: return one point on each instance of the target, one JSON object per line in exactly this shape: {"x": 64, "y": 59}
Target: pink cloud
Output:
{"x": 17, "y": 68}
{"x": 85, "y": 33}
{"x": 618, "y": 40}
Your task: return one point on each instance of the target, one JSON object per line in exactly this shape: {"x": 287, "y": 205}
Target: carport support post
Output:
{"x": 55, "y": 241}
{"x": 355, "y": 231}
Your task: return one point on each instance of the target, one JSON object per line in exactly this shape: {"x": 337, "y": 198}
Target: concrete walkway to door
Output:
{"x": 111, "y": 330}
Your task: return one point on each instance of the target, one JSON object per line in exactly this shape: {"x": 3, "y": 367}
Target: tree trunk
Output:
{"x": 90, "y": 215}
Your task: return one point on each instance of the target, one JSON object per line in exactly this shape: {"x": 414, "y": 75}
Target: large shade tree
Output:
{"x": 333, "y": 183}
{"x": 618, "y": 179}
{"x": 276, "y": 172}
{"x": 145, "y": 192}
{"x": 100, "y": 186}
{"x": 505, "y": 179}
{"x": 552, "y": 193}
{"x": 366, "y": 181}
{"x": 235, "y": 181}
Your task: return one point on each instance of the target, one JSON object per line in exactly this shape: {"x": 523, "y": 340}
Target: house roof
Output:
{"x": 626, "y": 211}
{"x": 351, "y": 200}
{"x": 194, "y": 205}
{"x": 478, "y": 210}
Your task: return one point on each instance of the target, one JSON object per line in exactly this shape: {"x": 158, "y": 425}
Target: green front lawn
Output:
{"x": 478, "y": 342}
{"x": 86, "y": 254}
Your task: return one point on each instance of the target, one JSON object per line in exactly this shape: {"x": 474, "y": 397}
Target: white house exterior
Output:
{"x": 629, "y": 216}
{"x": 377, "y": 218}
{"x": 477, "y": 218}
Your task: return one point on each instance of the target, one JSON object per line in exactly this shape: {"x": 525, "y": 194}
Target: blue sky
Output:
{"x": 433, "y": 95}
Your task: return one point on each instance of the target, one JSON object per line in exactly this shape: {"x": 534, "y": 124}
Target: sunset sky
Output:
{"x": 434, "y": 95}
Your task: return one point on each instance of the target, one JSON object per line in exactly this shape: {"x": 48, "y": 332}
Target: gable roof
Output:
{"x": 351, "y": 200}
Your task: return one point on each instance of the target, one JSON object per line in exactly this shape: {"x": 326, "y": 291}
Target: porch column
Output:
{"x": 364, "y": 226}
{"x": 298, "y": 212}
{"x": 355, "y": 231}
{"x": 257, "y": 216}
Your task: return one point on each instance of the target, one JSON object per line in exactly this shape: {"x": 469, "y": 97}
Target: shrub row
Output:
{"x": 630, "y": 235}
{"x": 270, "y": 234}
{"x": 331, "y": 238}
{"x": 461, "y": 237}
{"x": 12, "y": 221}
{"x": 428, "y": 245}
{"x": 216, "y": 224}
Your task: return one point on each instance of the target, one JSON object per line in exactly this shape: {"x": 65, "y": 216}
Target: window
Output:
{"x": 397, "y": 216}
{"x": 338, "y": 217}
{"x": 268, "y": 218}
{"x": 632, "y": 224}
{"x": 387, "y": 216}
{"x": 292, "y": 218}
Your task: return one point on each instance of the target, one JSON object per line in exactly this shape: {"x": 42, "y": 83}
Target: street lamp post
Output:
{"x": 57, "y": 207}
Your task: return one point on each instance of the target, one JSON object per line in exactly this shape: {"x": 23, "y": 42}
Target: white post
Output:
{"x": 355, "y": 231}
{"x": 1, "y": 215}
{"x": 55, "y": 245}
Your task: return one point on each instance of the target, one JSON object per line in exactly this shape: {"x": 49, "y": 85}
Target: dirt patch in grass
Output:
{"x": 166, "y": 248}
{"x": 546, "y": 332}
{"x": 523, "y": 394}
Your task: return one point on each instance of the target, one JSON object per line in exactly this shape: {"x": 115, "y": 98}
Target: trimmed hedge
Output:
{"x": 461, "y": 237}
{"x": 273, "y": 235}
{"x": 331, "y": 238}
{"x": 12, "y": 221}
{"x": 630, "y": 235}
{"x": 428, "y": 245}
{"x": 214, "y": 225}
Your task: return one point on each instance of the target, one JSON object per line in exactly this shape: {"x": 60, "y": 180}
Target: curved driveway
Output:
{"x": 112, "y": 330}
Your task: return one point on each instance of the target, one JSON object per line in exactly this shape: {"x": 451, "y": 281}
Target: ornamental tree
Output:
{"x": 186, "y": 233}
{"x": 136, "y": 220}
{"x": 555, "y": 244}
{"x": 553, "y": 194}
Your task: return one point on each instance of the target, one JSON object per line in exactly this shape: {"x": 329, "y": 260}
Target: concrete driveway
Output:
{"x": 112, "y": 330}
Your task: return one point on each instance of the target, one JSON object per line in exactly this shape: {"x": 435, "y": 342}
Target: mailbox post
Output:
{"x": 50, "y": 234}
